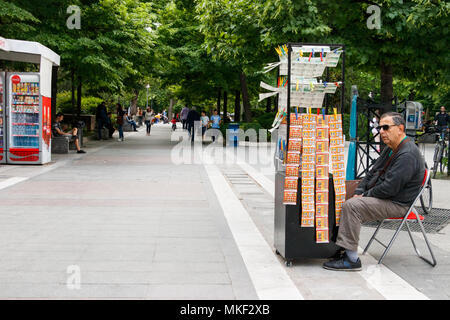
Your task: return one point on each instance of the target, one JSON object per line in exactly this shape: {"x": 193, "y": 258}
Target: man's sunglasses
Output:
{"x": 385, "y": 127}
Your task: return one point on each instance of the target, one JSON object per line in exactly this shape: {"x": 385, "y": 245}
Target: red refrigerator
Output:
{"x": 28, "y": 120}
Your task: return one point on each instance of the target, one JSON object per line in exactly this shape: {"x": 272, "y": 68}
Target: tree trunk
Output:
{"x": 171, "y": 104}
{"x": 218, "y": 100}
{"x": 134, "y": 102}
{"x": 73, "y": 91}
{"x": 237, "y": 106}
{"x": 387, "y": 89}
{"x": 268, "y": 104}
{"x": 79, "y": 94}
{"x": 225, "y": 107}
{"x": 245, "y": 99}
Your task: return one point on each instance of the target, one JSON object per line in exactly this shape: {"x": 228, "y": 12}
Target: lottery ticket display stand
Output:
{"x": 25, "y": 104}
{"x": 309, "y": 158}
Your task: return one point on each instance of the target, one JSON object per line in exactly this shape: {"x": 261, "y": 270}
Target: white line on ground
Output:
{"x": 270, "y": 280}
{"x": 386, "y": 282}
{"x": 11, "y": 181}
{"x": 382, "y": 279}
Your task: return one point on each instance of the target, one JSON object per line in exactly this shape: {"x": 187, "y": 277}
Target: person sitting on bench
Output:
{"x": 132, "y": 122}
{"x": 57, "y": 131}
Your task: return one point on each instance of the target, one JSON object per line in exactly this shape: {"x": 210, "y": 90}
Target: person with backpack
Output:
{"x": 149, "y": 116}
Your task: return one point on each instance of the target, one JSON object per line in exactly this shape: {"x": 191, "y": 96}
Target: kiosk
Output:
{"x": 309, "y": 192}
{"x": 26, "y": 103}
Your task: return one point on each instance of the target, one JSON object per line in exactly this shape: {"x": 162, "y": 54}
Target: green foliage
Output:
{"x": 187, "y": 50}
{"x": 14, "y": 20}
{"x": 266, "y": 119}
{"x": 361, "y": 133}
{"x": 88, "y": 106}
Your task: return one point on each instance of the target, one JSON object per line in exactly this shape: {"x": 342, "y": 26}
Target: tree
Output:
{"x": 245, "y": 32}
{"x": 181, "y": 58}
{"x": 110, "y": 52}
{"x": 411, "y": 43}
{"x": 14, "y": 20}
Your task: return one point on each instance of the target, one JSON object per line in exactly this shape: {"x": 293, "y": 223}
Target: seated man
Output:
{"x": 387, "y": 191}
{"x": 132, "y": 122}
{"x": 58, "y": 132}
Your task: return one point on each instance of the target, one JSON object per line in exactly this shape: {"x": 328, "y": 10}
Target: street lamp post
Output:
{"x": 148, "y": 87}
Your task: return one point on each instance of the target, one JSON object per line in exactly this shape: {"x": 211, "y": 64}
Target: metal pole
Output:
{"x": 288, "y": 110}
{"x": 343, "y": 80}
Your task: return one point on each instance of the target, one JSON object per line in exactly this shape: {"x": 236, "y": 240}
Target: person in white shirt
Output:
{"x": 149, "y": 115}
{"x": 205, "y": 121}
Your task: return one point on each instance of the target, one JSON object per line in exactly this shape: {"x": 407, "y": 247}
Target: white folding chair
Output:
{"x": 410, "y": 216}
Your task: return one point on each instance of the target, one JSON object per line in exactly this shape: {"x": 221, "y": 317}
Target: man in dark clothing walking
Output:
{"x": 192, "y": 116}
{"x": 442, "y": 121}
{"x": 102, "y": 118}
{"x": 387, "y": 191}
{"x": 183, "y": 114}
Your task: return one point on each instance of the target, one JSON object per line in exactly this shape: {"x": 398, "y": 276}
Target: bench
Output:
{"x": 126, "y": 126}
{"x": 105, "y": 133}
{"x": 60, "y": 145}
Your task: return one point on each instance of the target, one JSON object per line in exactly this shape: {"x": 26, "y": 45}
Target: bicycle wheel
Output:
{"x": 448, "y": 159}
{"x": 426, "y": 198}
{"x": 437, "y": 158}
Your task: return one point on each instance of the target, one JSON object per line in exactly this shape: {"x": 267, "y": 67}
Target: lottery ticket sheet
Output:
{"x": 308, "y": 170}
{"x": 337, "y": 162}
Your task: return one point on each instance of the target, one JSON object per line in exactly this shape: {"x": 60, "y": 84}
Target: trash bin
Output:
{"x": 233, "y": 134}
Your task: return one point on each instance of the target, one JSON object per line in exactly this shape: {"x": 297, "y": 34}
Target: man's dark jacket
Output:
{"x": 101, "y": 114}
{"x": 403, "y": 178}
{"x": 192, "y": 116}
{"x": 443, "y": 119}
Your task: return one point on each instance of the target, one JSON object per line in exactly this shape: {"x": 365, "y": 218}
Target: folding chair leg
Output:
{"x": 434, "y": 262}
{"x": 373, "y": 237}
{"x": 412, "y": 239}
{"x": 392, "y": 240}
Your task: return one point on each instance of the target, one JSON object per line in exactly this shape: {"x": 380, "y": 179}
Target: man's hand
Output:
{"x": 357, "y": 196}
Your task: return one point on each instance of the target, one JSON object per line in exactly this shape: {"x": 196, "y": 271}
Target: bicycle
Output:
{"x": 426, "y": 198}
{"x": 439, "y": 151}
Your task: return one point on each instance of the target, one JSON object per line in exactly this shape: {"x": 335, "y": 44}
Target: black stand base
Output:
{"x": 293, "y": 241}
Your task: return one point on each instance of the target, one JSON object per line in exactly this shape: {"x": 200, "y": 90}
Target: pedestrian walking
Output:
{"x": 183, "y": 114}
{"x": 215, "y": 123}
{"x": 120, "y": 114}
{"x": 174, "y": 123}
{"x": 205, "y": 122}
{"x": 102, "y": 118}
{"x": 191, "y": 118}
{"x": 148, "y": 120}
{"x": 140, "y": 116}
{"x": 375, "y": 132}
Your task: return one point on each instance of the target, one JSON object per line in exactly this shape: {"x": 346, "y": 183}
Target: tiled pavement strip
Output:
{"x": 141, "y": 227}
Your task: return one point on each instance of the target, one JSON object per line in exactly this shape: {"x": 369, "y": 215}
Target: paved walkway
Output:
{"x": 123, "y": 221}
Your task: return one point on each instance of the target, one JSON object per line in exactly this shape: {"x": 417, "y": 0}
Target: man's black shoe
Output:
{"x": 343, "y": 264}
{"x": 338, "y": 255}
{"x": 81, "y": 151}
